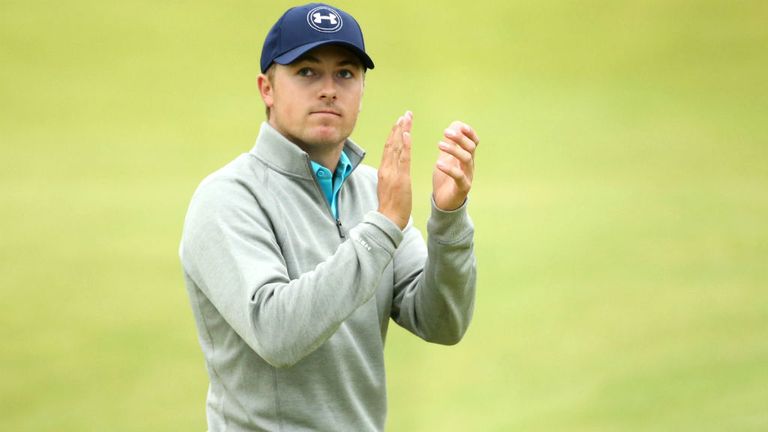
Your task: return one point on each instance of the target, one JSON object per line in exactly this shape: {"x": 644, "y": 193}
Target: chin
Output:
{"x": 327, "y": 135}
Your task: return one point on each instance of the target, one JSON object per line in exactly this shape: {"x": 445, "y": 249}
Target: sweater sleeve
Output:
{"x": 434, "y": 289}
{"x": 230, "y": 251}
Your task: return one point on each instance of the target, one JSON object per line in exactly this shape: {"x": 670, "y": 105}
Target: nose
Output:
{"x": 328, "y": 88}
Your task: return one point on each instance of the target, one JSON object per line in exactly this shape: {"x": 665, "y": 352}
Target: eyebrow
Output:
{"x": 312, "y": 59}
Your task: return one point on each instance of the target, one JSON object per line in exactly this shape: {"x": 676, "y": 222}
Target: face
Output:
{"x": 315, "y": 101}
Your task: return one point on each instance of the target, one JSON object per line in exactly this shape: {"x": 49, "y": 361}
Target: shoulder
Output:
{"x": 228, "y": 188}
{"x": 242, "y": 173}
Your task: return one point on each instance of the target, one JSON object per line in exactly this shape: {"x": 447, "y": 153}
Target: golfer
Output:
{"x": 296, "y": 255}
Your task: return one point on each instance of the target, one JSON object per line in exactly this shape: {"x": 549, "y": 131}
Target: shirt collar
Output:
{"x": 277, "y": 151}
{"x": 343, "y": 169}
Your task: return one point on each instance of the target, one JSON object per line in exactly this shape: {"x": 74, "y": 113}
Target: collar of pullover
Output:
{"x": 285, "y": 156}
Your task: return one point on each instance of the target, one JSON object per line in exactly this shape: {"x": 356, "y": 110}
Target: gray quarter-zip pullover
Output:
{"x": 292, "y": 307}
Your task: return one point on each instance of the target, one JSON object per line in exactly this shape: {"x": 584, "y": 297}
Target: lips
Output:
{"x": 326, "y": 111}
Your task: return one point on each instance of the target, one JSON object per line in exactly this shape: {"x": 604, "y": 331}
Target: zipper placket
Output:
{"x": 335, "y": 220}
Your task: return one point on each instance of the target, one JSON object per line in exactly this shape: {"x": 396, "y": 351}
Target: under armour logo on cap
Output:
{"x": 324, "y": 19}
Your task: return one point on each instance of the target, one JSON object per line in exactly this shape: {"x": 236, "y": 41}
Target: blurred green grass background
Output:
{"x": 621, "y": 202}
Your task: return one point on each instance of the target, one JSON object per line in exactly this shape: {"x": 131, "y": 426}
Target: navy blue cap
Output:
{"x": 303, "y": 28}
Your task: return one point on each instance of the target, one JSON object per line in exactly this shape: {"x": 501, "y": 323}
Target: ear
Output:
{"x": 266, "y": 90}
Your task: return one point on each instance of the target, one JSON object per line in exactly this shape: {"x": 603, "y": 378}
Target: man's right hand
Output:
{"x": 394, "y": 189}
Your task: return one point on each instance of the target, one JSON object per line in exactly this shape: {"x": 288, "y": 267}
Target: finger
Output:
{"x": 390, "y": 146}
{"x": 461, "y": 140}
{"x": 397, "y": 132}
{"x": 397, "y": 147}
{"x": 392, "y": 133}
{"x": 456, "y": 151}
{"x": 455, "y": 173}
{"x": 398, "y": 141}
{"x": 466, "y": 130}
{"x": 471, "y": 134}
{"x": 463, "y": 153}
{"x": 408, "y": 121}
{"x": 405, "y": 155}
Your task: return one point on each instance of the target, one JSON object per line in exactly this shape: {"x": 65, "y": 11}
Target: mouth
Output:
{"x": 327, "y": 112}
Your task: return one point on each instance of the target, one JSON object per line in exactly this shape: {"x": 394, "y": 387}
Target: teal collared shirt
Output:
{"x": 329, "y": 183}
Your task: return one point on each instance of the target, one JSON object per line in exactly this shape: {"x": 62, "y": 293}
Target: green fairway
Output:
{"x": 620, "y": 204}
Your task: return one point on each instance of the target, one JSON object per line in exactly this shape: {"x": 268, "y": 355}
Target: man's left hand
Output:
{"x": 452, "y": 177}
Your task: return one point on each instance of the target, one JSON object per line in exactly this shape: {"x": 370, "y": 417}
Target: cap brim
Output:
{"x": 291, "y": 56}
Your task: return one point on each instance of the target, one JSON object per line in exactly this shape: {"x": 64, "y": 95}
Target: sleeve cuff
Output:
{"x": 449, "y": 226}
{"x": 389, "y": 232}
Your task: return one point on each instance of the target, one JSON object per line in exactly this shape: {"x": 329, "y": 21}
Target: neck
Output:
{"x": 328, "y": 158}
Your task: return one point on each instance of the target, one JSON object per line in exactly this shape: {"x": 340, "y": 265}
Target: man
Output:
{"x": 295, "y": 255}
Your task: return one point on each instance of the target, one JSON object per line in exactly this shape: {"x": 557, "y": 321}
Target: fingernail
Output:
{"x": 449, "y": 132}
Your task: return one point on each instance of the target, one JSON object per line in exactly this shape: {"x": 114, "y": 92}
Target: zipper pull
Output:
{"x": 338, "y": 226}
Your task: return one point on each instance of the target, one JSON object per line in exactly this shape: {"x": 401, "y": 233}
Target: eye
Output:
{"x": 346, "y": 74}
{"x": 306, "y": 72}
